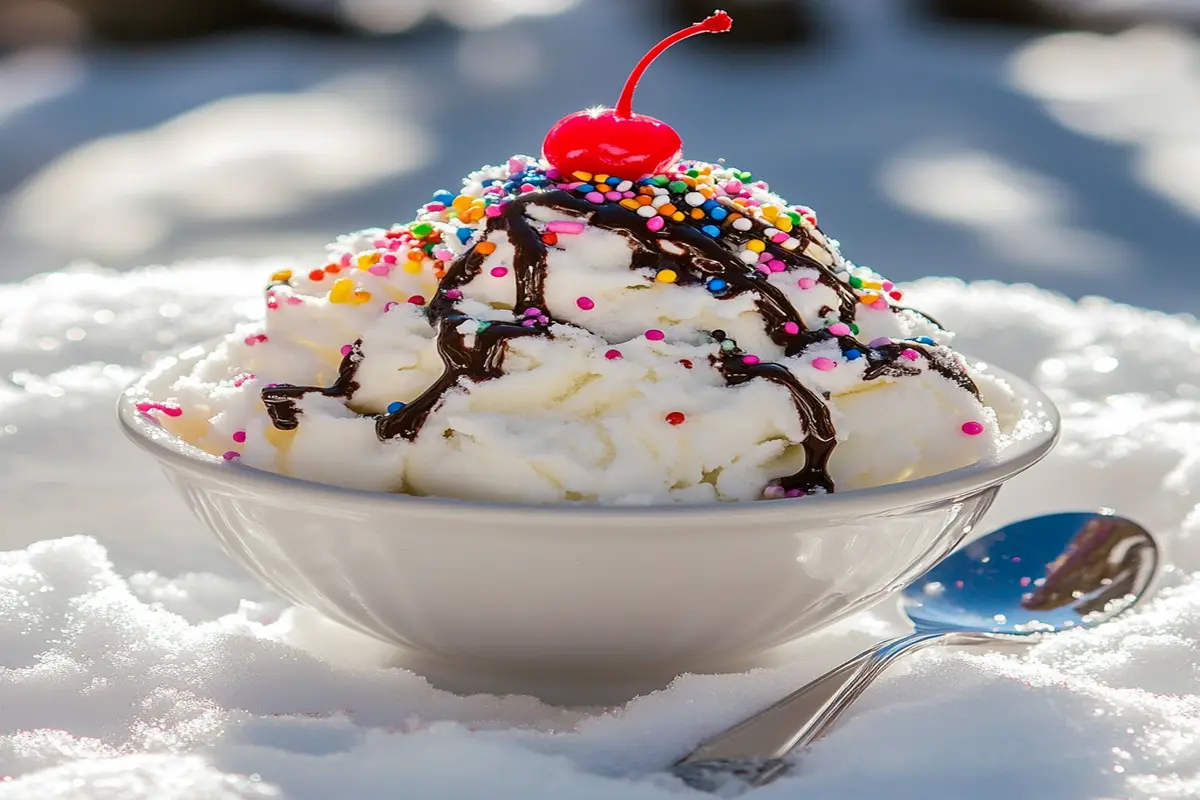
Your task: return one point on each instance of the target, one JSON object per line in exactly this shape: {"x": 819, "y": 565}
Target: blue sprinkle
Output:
{"x": 443, "y": 196}
{"x": 490, "y": 182}
{"x": 718, "y": 213}
{"x": 716, "y": 285}
{"x": 923, "y": 340}
{"x": 711, "y": 230}
{"x": 464, "y": 234}
{"x": 613, "y": 181}
{"x": 394, "y": 407}
{"x": 852, "y": 355}
{"x": 585, "y": 188}
{"x": 708, "y": 205}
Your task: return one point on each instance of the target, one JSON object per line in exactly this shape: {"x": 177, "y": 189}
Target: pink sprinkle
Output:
{"x": 565, "y": 226}
{"x": 1026, "y": 581}
{"x": 170, "y": 411}
{"x": 250, "y": 341}
{"x": 627, "y": 195}
{"x": 880, "y": 305}
{"x": 612, "y": 354}
{"x": 435, "y": 206}
{"x": 515, "y": 165}
{"x": 533, "y": 312}
{"x": 239, "y": 436}
{"x": 380, "y": 269}
{"x": 586, "y": 303}
{"x": 765, "y": 269}
{"x": 494, "y": 190}
{"x": 553, "y": 174}
{"x": 272, "y": 304}
{"x": 839, "y": 329}
{"x": 492, "y": 211}
{"x": 655, "y": 223}
{"x": 972, "y": 428}
{"x": 750, "y": 360}
{"x": 230, "y": 455}
{"x": 573, "y": 185}
{"x": 733, "y": 187}
{"x": 777, "y": 266}
{"x": 529, "y": 323}
{"x": 390, "y": 305}
{"x": 806, "y": 283}
{"x": 959, "y": 584}
{"x": 499, "y": 272}
{"x": 795, "y": 493}
{"x": 346, "y": 259}
{"x": 389, "y": 258}
{"x": 443, "y": 255}
{"x": 879, "y": 342}
{"x": 614, "y": 196}
{"x": 779, "y": 238}
{"x": 454, "y": 294}
{"x": 347, "y": 349}
{"x": 527, "y": 187}
{"x": 888, "y": 286}
{"x": 239, "y": 380}
{"x": 655, "y": 335}
{"x": 910, "y": 354}
{"x": 294, "y": 301}
{"x": 544, "y": 319}
{"x": 594, "y": 197}
{"x": 395, "y": 244}
{"x": 791, "y": 328}
{"x": 824, "y": 364}
{"x": 379, "y": 243}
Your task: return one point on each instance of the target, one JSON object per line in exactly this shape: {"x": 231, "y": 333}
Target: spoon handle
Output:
{"x": 753, "y": 749}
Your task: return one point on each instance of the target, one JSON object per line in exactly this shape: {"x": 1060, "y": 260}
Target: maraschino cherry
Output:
{"x": 616, "y": 141}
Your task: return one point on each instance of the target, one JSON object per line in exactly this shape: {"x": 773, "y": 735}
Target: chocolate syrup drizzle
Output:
{"x": 696, "y": 258}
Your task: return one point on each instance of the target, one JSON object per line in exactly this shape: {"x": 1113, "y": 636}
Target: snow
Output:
{"x": 137, "y": 661}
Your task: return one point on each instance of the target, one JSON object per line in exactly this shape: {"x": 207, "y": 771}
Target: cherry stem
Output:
{"x": 719, "y": 22}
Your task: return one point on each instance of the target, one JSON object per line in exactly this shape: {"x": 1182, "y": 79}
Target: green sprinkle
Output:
{"x": 421, "y": 230}
{"x": 727, "y": 345}
{"x": 660, "y": 180}
{"x": 795, "y": 216}
{"x": 693, "y": 173}
{"x": 857, "y": 283}
{"x": 743, "y": 176}
{"x": 854, "y": 329}
{"x": 677, "y": 186}
{"x": 483, "y": 326}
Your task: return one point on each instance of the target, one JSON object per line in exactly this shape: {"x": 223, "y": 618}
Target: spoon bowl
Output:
{"x": 1039, "y": 575}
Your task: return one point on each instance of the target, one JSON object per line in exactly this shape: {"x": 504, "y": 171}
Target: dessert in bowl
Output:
{"x": 605, "y": 409}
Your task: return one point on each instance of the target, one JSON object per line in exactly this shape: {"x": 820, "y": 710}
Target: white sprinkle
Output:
{"x": 624, "y": 186}
{"x": 468, "y": 326}
{"x": 647, "y": 211}
{"x": 660, "y": 201}
{"x": 743, "y": 224}
{"x": 769, "y": 232}
{"x": 694, "y": 199}
{"x": 667, "y": 246}
{"x": 748, "y": 256}
{"x": 791, "y": 243}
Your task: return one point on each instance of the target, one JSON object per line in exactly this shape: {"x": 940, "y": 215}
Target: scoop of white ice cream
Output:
{"x": 541, "y": 338}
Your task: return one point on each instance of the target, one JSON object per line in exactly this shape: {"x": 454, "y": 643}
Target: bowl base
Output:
{"x": 573, "y": 686}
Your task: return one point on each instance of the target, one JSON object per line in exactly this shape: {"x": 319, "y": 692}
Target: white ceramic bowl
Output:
{"x": 524, "y": 590}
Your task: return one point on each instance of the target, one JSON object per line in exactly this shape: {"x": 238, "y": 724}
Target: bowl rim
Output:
{"x": 890, "y": 499}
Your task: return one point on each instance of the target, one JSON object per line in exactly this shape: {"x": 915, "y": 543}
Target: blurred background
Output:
{"x": 1047, "y": 141}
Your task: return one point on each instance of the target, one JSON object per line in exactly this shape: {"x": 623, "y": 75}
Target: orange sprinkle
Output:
{"x": 667, "y": 209}
{"x": 486, "y": 248}
{"x": 631, "y": 204}
{"x": 644, "y": 199}
{"x": 698, "y": 214}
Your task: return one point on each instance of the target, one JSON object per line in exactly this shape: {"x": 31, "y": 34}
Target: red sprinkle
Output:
{"x": 676, "y": 418}
{"x": 550, "y": 239}
{"x": 316, "y": 275}
{"x": 417, "y": 300}
{"x": 612, "y": 354}
{"x": 687, "y": 364}
{"x": 896, "y": 295}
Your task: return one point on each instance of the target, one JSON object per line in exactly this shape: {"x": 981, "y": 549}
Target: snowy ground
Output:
{"x": 138, "y": 662}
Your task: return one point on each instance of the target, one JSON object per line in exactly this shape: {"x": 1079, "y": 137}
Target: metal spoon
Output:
{"x": 1034, "y": 577}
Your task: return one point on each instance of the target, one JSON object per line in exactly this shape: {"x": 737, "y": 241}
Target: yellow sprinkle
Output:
{"x": 367, "y": 261}
{"x": 770, "y": 212}
{"x": 282, "y": 275}
{"x": 600, "y": 178}
{"x": 360, "y": 297}
{"x": 411, "y": 267}
{"x": 461, "y": 203}
{"x": 666, "y": 276}
{"x": 872, "y": 285}
{"x": 341, "y": 290}
{"x": 756, "y": 245}
{"x": 582, "y": 176}
{"x": 678, "y": 216}
{"x": 478, "y": 202}
{"x": 784, "y": 223}
{"x": 630, "y": 203}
